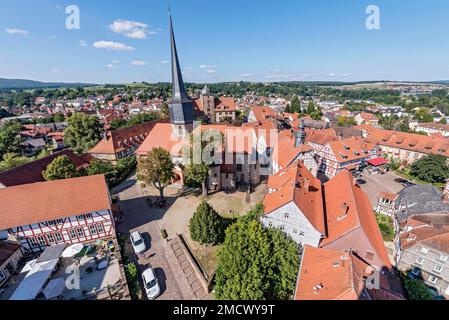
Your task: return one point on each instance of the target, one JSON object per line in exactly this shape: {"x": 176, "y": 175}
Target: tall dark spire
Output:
{"x": 179, "y": 91}
{"x": 181, "y": 106}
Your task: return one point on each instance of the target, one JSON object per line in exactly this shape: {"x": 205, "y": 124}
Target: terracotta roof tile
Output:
{"x": 43, "y": 201}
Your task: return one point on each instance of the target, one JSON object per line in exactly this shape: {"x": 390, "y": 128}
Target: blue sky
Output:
{"x": 232, "y": 40}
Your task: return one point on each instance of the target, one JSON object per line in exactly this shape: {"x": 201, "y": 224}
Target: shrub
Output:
{"x": 206, "y": 225}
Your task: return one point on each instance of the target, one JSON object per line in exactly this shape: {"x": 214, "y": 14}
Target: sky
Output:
{"x": 234, "y": 40}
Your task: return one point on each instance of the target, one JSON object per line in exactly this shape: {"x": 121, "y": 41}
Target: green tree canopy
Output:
{"x": 206, "y": 225}
{"x": 256, "y": 263}
{"x": 61, "y": 168}
{"x": 157, "y": 169}
{"x": 431, "y": 168}
{"x": 97, "y": 166}
{"x": 417, "y": 290}
{"x": 83, "y": 132}
{"x": 11, "y": 160}
{"x": 9, "y": 138}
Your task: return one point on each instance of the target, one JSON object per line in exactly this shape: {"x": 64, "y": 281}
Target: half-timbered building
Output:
{"x": 65, "y": 211}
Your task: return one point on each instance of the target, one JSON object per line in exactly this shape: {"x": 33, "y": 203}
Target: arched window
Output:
{"x": 180, "y": 131}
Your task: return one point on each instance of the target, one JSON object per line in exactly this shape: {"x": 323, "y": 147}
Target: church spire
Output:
{"x": 180, "y": 105}
{"x": 300, "y": 137}
{"x": 179, "y": 92}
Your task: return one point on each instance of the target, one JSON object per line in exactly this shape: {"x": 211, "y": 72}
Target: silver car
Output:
{"x": 138, "y": 243}
{"x": 151, "y": 284}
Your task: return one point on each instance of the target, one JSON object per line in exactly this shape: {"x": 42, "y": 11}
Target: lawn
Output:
{"x": 386, "y": 227}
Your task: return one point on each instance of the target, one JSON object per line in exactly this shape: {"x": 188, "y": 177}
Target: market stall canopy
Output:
{"x": 377, "y": 162}
{"x": 34, "y": 281}
{"x": 54, "y": 288}
{"x": 29, "y": 266}
{"x": 73, "y": 250}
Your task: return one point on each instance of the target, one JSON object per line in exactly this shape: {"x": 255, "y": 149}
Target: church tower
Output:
{"x": 180, "y": 105}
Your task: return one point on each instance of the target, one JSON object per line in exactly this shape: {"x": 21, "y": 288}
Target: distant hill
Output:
{"x": 31, "y": 84}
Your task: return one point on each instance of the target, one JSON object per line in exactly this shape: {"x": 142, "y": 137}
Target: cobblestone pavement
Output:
{"x": 139, "y": 217}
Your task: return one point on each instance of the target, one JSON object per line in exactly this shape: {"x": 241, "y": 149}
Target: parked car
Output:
{"x": 361, "y": 181}
{"x": 400, "y": 180}
{"x": 151, "y": 284}
{"x": 138, "y": 243}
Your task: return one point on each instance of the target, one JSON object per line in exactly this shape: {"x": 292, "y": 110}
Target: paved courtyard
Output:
{"x": 375, "y": 184}
{"x": 174, "y": 218}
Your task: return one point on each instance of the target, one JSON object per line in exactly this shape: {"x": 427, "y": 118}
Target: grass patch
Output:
{"x": 386, "y": 227}
{"x": 405, "y": 173}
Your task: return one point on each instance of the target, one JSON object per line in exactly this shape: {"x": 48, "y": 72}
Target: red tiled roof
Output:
{"x": 124, "y": 138}
{"x": 350, "y": 149}
{"x": 263, "y": 113}
{"x": 348, "y": 209}
{"x": 32, "y": 172}
{"x": 296, "y": 183}
{"x": 43, "y": 201}
{"x": 331, "y": 275}
{"x": 408, "y": 141}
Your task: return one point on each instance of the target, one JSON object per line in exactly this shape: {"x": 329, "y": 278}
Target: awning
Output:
{"x": 34, "y": 281}
{"x": 29, "y": 266}
{"x": 377, "y": 162}
{"x": 54, "y": 288}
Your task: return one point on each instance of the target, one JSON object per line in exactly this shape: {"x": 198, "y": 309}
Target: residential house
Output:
{"x": 432, "y": 128}
{"x": 343, "y": 154}
{"x": 32, "y": 147}
{"x": 260, "y": 114}
{"x": 423, "y": 250}
{"x": 386, "y": 203}
{"x": 335, "y": 275}
{"x": 122, "y": 143}
{"x": 405, "y": 147}
{"x": 57, "y": 212}
{"x": 216, "y": 109}
{"x": 366, "y": 118}
{"x": 10, "y": 257}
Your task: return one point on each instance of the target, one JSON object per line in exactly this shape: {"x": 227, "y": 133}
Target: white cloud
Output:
{"x": 55, "y": 70}
{"x": 111, "y": 66}
{"x": 83, "y": 43}
{"x": 115, "y": 61}
{"x": 17, "y": 31}
{"x": 138, "y": 63}
{"x": 132, "y": 29}
{"x": 211, "y": 71}
{"x": 111, "y": 45}
{"x": 245, "y": 75}
{"x": 206, "y": 66}
{"x": 164, "y": 61}
{"x": 331, "y": 74}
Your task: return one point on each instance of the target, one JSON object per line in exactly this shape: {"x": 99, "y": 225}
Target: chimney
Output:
{"x": 306, "y": 185}
{"x": 344, "y": 212}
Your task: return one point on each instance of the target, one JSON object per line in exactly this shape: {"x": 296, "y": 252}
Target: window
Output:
{"x": 438, "y": 268}
{"x": 415, "y": 271}
{"x": 58, "y": 236}
{"x": 443, "y": 258}
{"x": 425, "y": 250}
{"x": 84, "y": 216}
{"x": 302, "y": 234}
{"x": 433, "y": 279}
{"x": 369, "y": 255}
{"x": 295, "y": 231}
{"x": 287, "y": 216}
{"x": 93, "y": 230}
{"x": 2, "y": 275}
{"x": 33, "y": 243}
{"x": 80, "y": 232}
{"x": 282, "y": 228}
{"x": 420, "y": 261}
{"x": 41, "y": 241}
{"x": 73, "y": 234}
{"x": 50, "y": 238}
{"x": 100, "y": 228}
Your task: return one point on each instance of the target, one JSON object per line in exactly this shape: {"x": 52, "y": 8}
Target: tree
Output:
{"x": 423, "y": 115}
{"x": 58, "y": 117}
{"x": 61, "y": 168}
{"x": 9, "y": 138}
{"x": 198, "y": 174}
{"x": 83, "y": 132}
{"x": 165, "y": 111}
{"x": 11, "y": 160}
{"x": 443, "y": 121}
{"x": 117, "y": 123}
{"x": 295, "y": 105}
{"x": 206, "y": 225}
{"x": 156, "y": 169}
{"x": 101, "y": 167}
{"x": 431, "y": 168}
{"x": 417, "y": 290}
{"x": 256, "y": 263}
